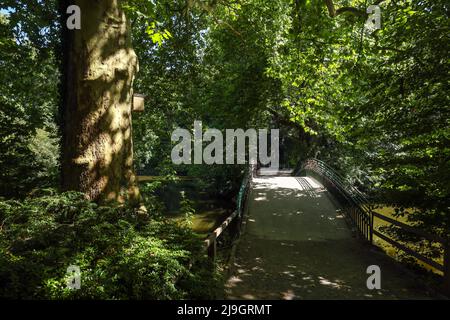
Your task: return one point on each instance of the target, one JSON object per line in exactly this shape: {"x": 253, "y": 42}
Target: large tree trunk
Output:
{"x": 98, "y": 71}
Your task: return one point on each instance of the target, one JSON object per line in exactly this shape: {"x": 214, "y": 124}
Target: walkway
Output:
{"x": 297, "y": 245}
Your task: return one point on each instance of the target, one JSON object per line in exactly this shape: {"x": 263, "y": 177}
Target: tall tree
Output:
{"x": 99, "y": 68}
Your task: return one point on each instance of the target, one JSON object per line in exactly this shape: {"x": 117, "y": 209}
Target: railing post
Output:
{"x": 371, "y": 227}
{"x": 212, "y": 250}
{"x": 235, "y": 227}
{"x": 447, "y": 267}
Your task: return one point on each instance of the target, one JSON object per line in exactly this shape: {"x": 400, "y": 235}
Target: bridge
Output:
{"x": 309, "y": 236}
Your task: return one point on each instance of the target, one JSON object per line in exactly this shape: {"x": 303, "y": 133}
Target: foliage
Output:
{"x": 120, "y": 255}
{"x": 374, "y": 105}
{"x": 187, "y": 209}
{"x": 400, "y": 122}
{"x": 28, "y": 153}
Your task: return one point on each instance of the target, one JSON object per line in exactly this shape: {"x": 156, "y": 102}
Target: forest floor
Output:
{"x": 297, "y": 245}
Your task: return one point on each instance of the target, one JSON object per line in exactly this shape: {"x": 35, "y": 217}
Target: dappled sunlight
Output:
{"x": 298, "y": 246}
{"x": 96, "y": 124}
{"x": 287, "y": 244}
{"x": 321, "y": 270}
{"x": 273, "y": 183}
{"x": 286, "y": 187}
{"x": 293, "y": 208}
{"x": 288, "y": 295}
{"x": 261, "y": 197}
{"x": 274, "y": 172}
{"x": 290, "y": 183}
{"x": 337, "y": 284}
{"x": 232, "y": 282}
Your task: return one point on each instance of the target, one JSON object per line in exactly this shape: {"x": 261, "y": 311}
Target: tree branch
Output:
{"x": 334, "y": 13}
{"x": 282, "y": 119}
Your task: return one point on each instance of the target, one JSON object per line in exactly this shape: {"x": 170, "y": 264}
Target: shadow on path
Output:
{"x": 297, "y": 246}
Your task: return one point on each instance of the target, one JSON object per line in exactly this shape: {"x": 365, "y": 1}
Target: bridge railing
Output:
{"x": 357, "y": 207}
{"x": 234, "y": 221}
{"x": 355, "y": 204}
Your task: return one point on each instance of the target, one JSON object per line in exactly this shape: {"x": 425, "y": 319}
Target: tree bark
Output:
{"x": 99, "y": 66}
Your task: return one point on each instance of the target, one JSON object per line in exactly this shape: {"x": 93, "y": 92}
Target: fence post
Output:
{"x": 447, "y": 267}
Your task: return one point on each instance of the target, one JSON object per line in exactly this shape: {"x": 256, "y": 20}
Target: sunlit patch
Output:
{"x": 261, "y": 197}
{"x": 257, "y": 269}
{"x": 288, "y": 295}
{"x": 277, "y": 214}
{"x": 276, "y": 183}
{"x": 233, "y": 281}
{"x": 336, "y": 285}
{"x": 288, "y": 273}
{"x": 287, "y": 244}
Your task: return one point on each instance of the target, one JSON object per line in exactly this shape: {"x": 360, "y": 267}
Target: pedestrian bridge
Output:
{"x": 297, "y": 245}
{"x": 301, "y": 241}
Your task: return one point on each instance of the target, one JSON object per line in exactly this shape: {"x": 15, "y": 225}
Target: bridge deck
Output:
{"x": 297, "y": 245}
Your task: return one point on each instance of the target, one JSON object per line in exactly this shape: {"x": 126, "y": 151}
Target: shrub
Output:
{"x": 121, "y": 256}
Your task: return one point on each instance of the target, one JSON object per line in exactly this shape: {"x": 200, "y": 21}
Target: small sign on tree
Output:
{"x": 138, "y": 102}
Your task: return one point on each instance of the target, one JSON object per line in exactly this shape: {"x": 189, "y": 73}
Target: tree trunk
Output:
{"x": 99, "y": 66}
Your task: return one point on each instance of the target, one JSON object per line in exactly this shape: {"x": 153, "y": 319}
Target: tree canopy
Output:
{"x": 374, "y": 104}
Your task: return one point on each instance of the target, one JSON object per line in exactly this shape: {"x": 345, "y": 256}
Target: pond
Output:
{"x": 209, "y": 210}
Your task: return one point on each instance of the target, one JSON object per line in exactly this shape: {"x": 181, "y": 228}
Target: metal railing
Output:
{"x": 234, "y": 221}
{"x": 354, "y": 203}
{"x": 361, "y": 215}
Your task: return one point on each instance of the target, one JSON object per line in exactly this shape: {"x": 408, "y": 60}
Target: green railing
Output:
{"x": 234, "y": 221}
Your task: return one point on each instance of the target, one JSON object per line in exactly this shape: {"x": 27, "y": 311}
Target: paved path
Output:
{"x": 297, "y": 246}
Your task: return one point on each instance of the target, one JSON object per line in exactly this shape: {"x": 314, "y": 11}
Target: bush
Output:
{"x": 121, "y": 256}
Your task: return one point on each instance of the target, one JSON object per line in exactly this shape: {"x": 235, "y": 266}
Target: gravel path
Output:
{"x": 297, "y": 245}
